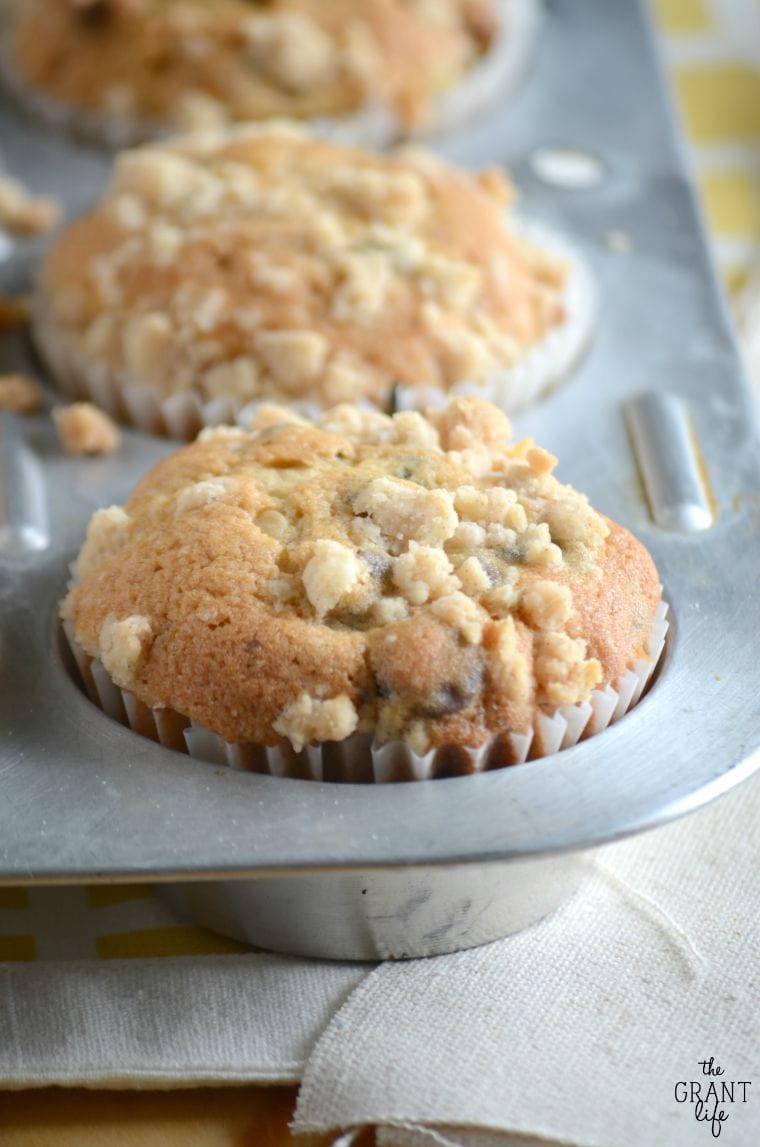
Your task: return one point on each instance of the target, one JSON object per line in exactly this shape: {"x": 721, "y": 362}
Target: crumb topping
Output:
{"x": 84, "y": 429}
{"x": 20, "y": 394}
{"x": 122, "y": 644}
{"x": 268, "y": 264}
{"x": 309, "y": 719}
{"x": 106, "y": 534}
{"x": 25, "y": 214}
{"x": 306, "y": 579}
{"x": 198, "y": 66}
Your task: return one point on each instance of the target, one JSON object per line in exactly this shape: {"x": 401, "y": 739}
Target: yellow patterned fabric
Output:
{"x": 712, "y": 53}
{"x": 97, "y": 922}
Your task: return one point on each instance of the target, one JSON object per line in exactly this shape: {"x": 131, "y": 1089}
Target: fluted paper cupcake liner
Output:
{"x": 492, "y": 77}
{"x": 183, "y": 414}
{"x": 359, "y": 759}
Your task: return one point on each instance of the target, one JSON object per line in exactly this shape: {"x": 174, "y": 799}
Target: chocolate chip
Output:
{"x": 93, "y": 13}
{"x": 449, "y": 699}
{"x": 491, "y": 569}
{"x": 411, "y": 470}
{"x": 383, "y": 689}
{"x": 455, "y": 695}
{"x": 510, "y": 554}
{"x": 378, "y": 563}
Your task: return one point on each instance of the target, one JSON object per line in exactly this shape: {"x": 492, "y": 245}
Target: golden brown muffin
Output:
{"x": 422, "y": 579}
{"x": 141, "y": 65}
{"x": 269, "y": 264}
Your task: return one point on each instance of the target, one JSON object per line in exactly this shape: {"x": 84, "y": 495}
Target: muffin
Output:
{"x": 132, "y": 69}
{"x": 364, "y": 597}
{"x": 268, "y": 264}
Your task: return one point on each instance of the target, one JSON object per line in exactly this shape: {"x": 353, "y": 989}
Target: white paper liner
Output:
{"x": 182, "y": 415}
{"x": 358, "y": 759}
{"x": 494, "y": 76}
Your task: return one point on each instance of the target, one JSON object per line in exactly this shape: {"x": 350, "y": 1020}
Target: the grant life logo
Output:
{"x": 710, "y": 1097}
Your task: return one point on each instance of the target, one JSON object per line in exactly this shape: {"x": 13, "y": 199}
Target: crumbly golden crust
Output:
{"x": 269, "y": 264}
{"x": 192, "y": 64}
{"x": 423, "y": 578}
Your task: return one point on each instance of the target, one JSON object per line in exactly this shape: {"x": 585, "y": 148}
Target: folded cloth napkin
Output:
{"x": 86, "y": 1000}
{"x": 587, "y": 1029}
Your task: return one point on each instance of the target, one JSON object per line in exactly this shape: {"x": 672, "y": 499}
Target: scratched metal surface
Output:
{"x": 83, "y": 799}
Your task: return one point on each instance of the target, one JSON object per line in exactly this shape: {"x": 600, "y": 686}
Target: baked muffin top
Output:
{"x": 191, "y": 63}
{"x": 266, "y": 263}
{"x": 423, "y": 578}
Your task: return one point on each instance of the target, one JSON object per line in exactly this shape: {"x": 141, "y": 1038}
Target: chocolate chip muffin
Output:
{"x": 129, "y": 69}
{"x": 420, "y": 582}
{"x": 268, "y": 264}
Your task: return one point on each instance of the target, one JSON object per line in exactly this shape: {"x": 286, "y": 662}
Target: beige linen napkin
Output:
{"x": 165, "y": 1023}
{"x": 577, "y": 1030}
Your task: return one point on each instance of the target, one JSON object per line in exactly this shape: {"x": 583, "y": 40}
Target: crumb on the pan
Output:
{"x": 83, "y": 429}
{"x": 619, "y": 242}
{"x": 19, "y": 394}
{"x": 14, "y": 313}
{"x": 25, "y": 214}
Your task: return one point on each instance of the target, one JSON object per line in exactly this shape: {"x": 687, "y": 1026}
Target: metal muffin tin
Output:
{"x": 399, "y": 870}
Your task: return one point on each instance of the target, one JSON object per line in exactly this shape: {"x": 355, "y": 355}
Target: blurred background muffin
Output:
{"x": 264, "y": 263}
{"x": 130, "y": 69}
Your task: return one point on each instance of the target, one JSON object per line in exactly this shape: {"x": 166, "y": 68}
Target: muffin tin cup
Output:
{"x": 359, "y": 759}
{"x": 182, "y": 415}
{"x": 494, "y": 77}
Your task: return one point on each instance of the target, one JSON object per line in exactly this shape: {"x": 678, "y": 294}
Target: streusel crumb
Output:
{"x": 84, "y": 429}
{"x": 20, "y": 394}
{"x": 25, "y": 214}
